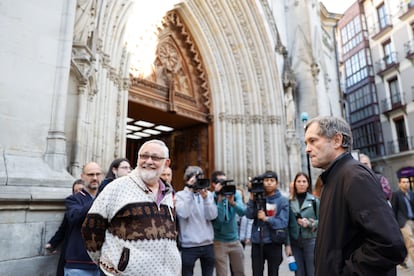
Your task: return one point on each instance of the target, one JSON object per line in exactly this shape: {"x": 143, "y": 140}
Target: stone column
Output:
{"x": 55, "y": 155}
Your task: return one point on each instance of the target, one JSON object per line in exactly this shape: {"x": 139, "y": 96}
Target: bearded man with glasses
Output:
{"x": 130, "y": 228}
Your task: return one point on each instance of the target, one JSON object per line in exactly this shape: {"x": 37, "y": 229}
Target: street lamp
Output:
{"x": 304, "y": 117}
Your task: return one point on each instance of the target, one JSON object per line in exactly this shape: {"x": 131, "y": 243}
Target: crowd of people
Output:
{"x": 133, "y": 222}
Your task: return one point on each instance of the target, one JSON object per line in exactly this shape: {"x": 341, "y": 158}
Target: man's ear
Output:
{"x": 338, "y": 140}
{"x": 167, "y": 162}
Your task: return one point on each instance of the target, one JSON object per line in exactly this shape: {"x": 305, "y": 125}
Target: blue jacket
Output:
{"x": 77, "y": 206}
{"x": 225, "y": 225}
{"x": 260, "y": 229}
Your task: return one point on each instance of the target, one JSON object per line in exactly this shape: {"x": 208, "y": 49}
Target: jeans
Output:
{"x": 190, "y": 255}
{"x": 303, "y": 251}
{"x": 272, "y": 252}
{"x": 81, "y": 272}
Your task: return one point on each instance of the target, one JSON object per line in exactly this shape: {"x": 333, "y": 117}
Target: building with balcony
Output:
{"x": 378, "y": 67}
{"x": 92, "y": 80}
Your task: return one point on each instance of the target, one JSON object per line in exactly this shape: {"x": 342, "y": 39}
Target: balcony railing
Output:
{"x": 405, "y": 8}
{"x": 409, "y": 49}
{"x": 395, "y": 101}
{"x": 400, "y": 145}
{"x": 387, "y": 63}
{"x": 381, "y": 27}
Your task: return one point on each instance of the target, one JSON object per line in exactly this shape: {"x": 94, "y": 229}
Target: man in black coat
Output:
{"x": 357, "y": 231}
{"x": 402, "y": 203}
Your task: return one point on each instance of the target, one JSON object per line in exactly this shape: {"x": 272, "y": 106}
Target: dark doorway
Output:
{"x": 189, "y": 142}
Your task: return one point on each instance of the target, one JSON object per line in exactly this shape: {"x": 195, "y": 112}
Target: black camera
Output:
{"x": 258, "y": 191}
{"x": 257, "y": 185}
{"x": 228, "y": 188}
{"x": 201, "y": 183}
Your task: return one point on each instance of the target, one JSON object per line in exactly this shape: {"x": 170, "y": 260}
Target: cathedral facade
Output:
{"x": 234, "y": 76}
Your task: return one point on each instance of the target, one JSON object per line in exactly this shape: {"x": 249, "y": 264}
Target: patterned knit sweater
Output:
{"x": 127, "y": 233}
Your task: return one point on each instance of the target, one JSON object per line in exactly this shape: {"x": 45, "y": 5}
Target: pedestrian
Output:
{"x": 130, "y": 228}
{"x": 402, "y": 203}
{"x": 166, "y": 175}
{"x": 385, "y": 185}
{"x": 61, "y": 235}
{"x": 119, "y": 167}
{"x": 245, "y": 225}
{"x": 228, "y": 251}
{"x": 357, "y": 233}
{"x": 270, "y": 211}
{"x": 303, "y": 224}
{"x": 195, "y": 211}
{"x": 77, "y": 260}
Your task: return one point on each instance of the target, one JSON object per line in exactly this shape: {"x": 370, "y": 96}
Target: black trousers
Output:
{"x": 272, "y": 252}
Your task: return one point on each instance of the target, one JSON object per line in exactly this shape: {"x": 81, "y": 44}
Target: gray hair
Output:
{"x": 159, "y": 142}
{"x": 190, "y": 171}
{"x": 329, "y": 126}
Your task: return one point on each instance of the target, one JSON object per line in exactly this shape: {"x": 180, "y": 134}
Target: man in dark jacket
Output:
{"x": 77, "y": 206}
{"x": 403, "y": 205}
{"x": 60, "y": 237}
{"x": 357, "y": 232}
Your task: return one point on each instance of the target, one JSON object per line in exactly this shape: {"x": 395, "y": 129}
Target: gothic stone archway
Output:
{"x": 176, "y": 94}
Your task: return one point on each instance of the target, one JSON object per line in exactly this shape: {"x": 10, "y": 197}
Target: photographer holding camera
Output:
{"x": 195, "y": 211}
{"x": 270, "y": 211}
{"x": 227, "y": 247}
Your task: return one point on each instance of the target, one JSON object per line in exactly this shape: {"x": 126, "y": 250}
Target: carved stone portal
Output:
{"x": 179, "y": 68}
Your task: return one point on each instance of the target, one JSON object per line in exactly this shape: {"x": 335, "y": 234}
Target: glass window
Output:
{"x": 387, "y": 49}
{"x": 401, "y": 134}
{"x": 394, "y": 91}
{"x": 382, "y": 16}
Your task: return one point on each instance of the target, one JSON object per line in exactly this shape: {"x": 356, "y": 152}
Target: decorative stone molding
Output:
{"x": 315, "y": 71}
{"x": 85, "y": 20}
{"x": 81, "y": 63}
{"x": 288, "y": 75}
{"x": 249, "y": 119}
{"x": 169, "y": 56}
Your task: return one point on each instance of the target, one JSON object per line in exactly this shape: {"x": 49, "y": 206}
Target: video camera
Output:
{"x": 201, "y": 183}
{"x": 228, "y": 189}
{"x": 256, "y": 185}
{"x": 258, "y": 191}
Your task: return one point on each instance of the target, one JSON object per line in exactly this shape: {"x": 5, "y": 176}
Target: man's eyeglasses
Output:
{"x": 93, "y": 174}
{"x": 153, "y": 157}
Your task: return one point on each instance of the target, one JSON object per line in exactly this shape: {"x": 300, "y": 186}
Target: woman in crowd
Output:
{"x": 119, "y": 167}
{"x": 303, "y": 223}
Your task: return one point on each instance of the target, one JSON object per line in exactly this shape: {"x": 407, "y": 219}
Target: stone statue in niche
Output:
{"x": 290, "y": 108}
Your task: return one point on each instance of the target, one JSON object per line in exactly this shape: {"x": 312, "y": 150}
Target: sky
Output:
{"x": 337, "y": 6}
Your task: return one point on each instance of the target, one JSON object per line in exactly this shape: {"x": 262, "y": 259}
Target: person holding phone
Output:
{"x": 303, "y": 223}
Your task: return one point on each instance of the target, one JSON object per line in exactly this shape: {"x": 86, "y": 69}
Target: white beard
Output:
{"x": 149, "y": 176}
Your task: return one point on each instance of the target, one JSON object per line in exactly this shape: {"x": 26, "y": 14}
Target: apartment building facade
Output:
{"x": 378, "y": 71}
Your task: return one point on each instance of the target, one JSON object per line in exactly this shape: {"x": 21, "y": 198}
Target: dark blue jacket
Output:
{"x": 260, "y": 229}
{"x": 60, "y": 238}
{"x": 77, "y": 206}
